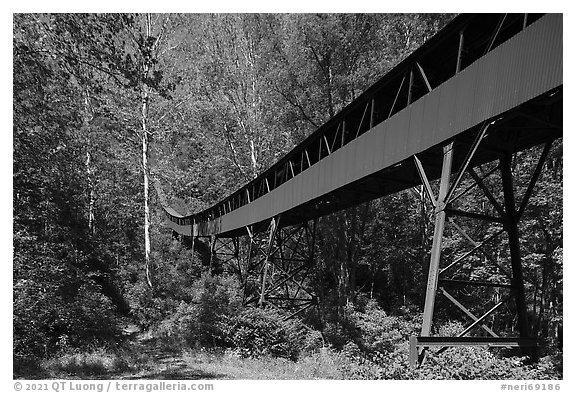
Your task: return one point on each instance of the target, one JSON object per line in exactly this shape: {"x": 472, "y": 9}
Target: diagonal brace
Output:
{"x": 487, "y": 192}
{"x": 466, "y": 311}
{"x": 476, "y": 322}
{"x": 483, "y": 317}
{"x": 471, "y": 186}
{"x": 533, "y": 179}
{"x": 468, "y": 159}
{"x": 486, "y": 254}
{"x": 477, "y": 246}
{"x": 425, "y": 181}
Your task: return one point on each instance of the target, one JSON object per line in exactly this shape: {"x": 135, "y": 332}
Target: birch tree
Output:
{"x": 141, "y": 68}
{"x": 118, "y": 56}
{"x": 235, "y": 54}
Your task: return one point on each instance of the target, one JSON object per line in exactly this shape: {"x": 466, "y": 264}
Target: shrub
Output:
{"x": 313, "y": 342}
{"x": 46, "y": 322}
{"x": 147, "y": 308}
{"x": 256, "y": 332}
{"x": 380, "y": 350}
{"x": 378, "y": 332}
{"x": 481, "y": 363}
{"x": 98, "y": 362}
{"x": 338, "y": 335}
{"x": 197, "y": 323}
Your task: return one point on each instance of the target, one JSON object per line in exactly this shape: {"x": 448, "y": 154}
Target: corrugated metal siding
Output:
{"x": 181, "y": 229}
{"x": 526, "y": 66}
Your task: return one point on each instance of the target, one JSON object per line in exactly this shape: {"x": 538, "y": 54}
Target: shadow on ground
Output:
{"x": 168, "y": 364}
{"x": 159, "y": 362}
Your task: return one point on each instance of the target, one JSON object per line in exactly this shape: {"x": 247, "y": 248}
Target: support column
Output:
{"x": 514, "y": 245}
{"x": 282, "y": 268}
{"x": 193, "y": 247}
{"x": 273, "y": 226}
{"x": 212, "y": 250}
{"x": 508, "y": 215}
{"x": 440, "y": 220}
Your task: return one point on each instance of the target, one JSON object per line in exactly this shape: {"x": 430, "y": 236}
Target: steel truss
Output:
{"x": 507, "y": 215}
{"x": 468, "y": 39}
{"x": 274, "y": 266}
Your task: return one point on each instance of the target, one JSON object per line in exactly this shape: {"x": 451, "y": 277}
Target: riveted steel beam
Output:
{"x": 424, "y": 78}
{"x": 514, "y": 245}
{"x": 440, "y": 217}
{"x": 466, "y": 311}
{"x": 534, "y": 179}
{"x": 425, "y": 181}
{"x": 468, "y": 159}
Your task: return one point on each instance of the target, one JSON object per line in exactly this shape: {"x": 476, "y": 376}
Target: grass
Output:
{"x": 320, "y": 365}
{"x": 156, "y": 359}
{"x": 97, "y": 364}
{"x": 93, "y": 364}
{"x": 156, "y": 362}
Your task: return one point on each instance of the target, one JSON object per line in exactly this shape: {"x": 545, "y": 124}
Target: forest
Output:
{"x": 114, "y": 114}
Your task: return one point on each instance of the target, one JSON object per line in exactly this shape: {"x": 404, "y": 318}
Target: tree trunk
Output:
{"x": 329, "y": 93}
{"x": 253, "y": 159}
{"x": 88, "y": 116}
{"x": 343, "y": 283}
{"x": 91, "y": 198}
{"x": 146, "y": 185}
{"x": 145, "y": 97}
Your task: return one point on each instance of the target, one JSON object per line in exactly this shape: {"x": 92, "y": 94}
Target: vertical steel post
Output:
{"x": 212, "y": 249}
{"x": 460, "y": 48}
{"x": 236, "y": 242}
{"x": 312, "y": 244}
{"x": 248, "y": 264}
{"x": 193, "y": 246}
{"x": 514, "y": 244}
{"x": 410, "y": 83}
{"x": 413, "y": 356}
{"x": 439, "y": 224}
{"x": 273, "y": 226}
{"x": 372, "y": 113}
{"x": 312, "y": 252}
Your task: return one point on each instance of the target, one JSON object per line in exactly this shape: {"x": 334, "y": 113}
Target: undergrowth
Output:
{"x": 100, "y": 363}
{"x": 260, "y": 343}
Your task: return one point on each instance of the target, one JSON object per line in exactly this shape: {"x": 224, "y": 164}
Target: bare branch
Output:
{"x": 296, "y": 104}
{"x": 175, "y": 107}
{"x": 234, "y": 152}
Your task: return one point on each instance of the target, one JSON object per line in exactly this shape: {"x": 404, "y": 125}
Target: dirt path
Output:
{"x": 165, "y": 363}
{"x": 152, "y": 359}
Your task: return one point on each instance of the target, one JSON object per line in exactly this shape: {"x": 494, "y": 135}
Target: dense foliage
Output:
{"x": 105, "y": 105}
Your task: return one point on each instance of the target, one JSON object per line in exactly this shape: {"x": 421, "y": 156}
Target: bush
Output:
{"x": 146, "y": 308}
{"x": 197, "y": 323}
{"x": 336, "y": 335}
{"x": 96, "y": 363}
{"x": 378, "y": 332}
{"x": 380, "y": 350}
{"x": 57, "y": 303}
{"x": 481, "y": 363}
{"x": 46, "y": 322}
{"x": 313, "y": 342}
{"x": 256, "y": 332}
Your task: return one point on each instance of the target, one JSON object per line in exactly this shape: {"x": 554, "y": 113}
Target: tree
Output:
{"x": 324, "y": 62}
{"x": 57, "y": 265}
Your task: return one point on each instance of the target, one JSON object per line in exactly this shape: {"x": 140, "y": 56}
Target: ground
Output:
{"x": 153, "y": 359}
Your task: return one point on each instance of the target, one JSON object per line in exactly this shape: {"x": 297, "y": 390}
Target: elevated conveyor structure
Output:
{"x": 364, "y": 152}
{"x": 485, "y": 87}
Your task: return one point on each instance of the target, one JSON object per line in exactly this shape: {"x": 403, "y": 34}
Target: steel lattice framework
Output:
{"x": 484, "y": 88}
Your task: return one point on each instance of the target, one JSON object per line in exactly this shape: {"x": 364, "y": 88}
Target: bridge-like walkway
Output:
{"x": 505, "y": 69}
{"x": 485, "y": 87}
